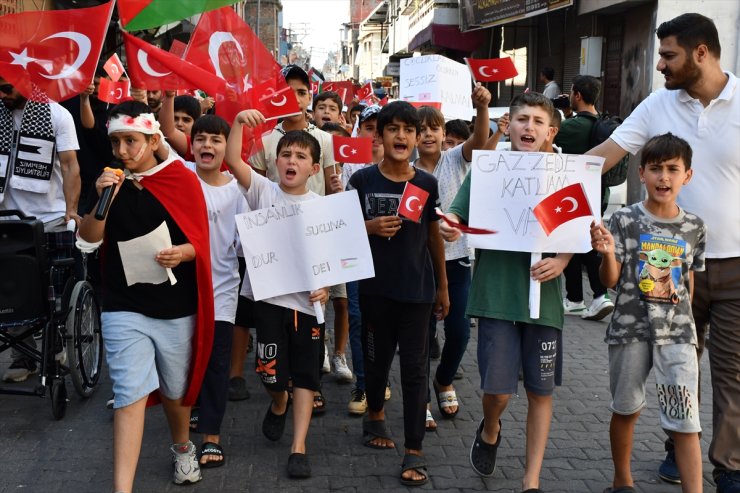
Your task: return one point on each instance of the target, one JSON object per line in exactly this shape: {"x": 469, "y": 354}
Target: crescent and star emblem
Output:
{"x": 410, "y": 200}
{"x": 573, "y": 203}
{"x": 214, "y": 44}
{"x": 341, "y": 150}
{"x": 143, "y": 58}
{"x": 483, "y": 73}
{"x": 83, "y": 46}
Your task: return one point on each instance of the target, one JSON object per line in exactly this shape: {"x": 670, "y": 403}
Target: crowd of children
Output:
{"x": 189, "y": 338}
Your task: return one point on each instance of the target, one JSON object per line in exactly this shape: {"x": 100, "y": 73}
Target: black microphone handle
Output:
{"x": 104, "y": 203}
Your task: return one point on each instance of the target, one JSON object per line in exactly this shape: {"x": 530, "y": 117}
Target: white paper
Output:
{"x": 439, "y": 79}
{"x": 138, "y": 257}
{"x": 534, "y": 290}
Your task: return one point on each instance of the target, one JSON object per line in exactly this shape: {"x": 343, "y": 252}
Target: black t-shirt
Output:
{"x": 134, "y": 213}
{"x": 403, "y": 264}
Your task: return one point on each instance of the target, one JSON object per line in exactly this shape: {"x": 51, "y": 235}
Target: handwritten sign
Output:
{"x": 305, "y": 246}
{"x": 507, "y": 186}
{"x": 437, "y": 78}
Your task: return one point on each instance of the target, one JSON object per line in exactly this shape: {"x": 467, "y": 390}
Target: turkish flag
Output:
{"x": 54, "y": 50}
{"x": 562, "y": 206}
{"x": 365, "y": 91}
{"x": 353, "y": 149}
{"x": 114, "y": 91}
{"x": 384, "y": 101}
{"x": 113, "y": 67}
{"x": 178, "y": 48}
{"x": 274, "y": 103}
{"x": 154, "y": 69}
{"x": 315, "y": 87}
{"x": 413, "y": 201}
{"x": 492, "y": 69}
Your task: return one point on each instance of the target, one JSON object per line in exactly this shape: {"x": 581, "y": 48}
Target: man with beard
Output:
{"x": 40, "y": 177}
{"x": 701, "y": 104}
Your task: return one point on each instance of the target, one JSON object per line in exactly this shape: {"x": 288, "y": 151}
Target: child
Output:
{"x": 176, "y": 117}
{"x": 456, "y": 132}
{"x": 396, "y": 304}
{"x": 327, "y": 108}
{"x": 508, "y": 339}
{"x": 154, "y": 339}
{"x": 289, "y": 338}
{"x": 224, "y": 200}
{"x": 650, "y": 252}
{"x": 449, "y": 168}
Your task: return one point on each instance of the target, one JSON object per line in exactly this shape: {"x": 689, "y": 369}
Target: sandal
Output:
{"x": 273, "y": 425}
{"x": 431, "y": 425}
{"x": 211, "y": 448}
{"x": 194, "y": 419}
{"x": 621, "y": 489}
{"x": 319, "y": 403}
{"x": 298, "y": 466}
{"x": 446, "y": 400}
{"x": 415, "y": 463}
{"x": 372, "y": 430}
{"x": 482, "y": 454}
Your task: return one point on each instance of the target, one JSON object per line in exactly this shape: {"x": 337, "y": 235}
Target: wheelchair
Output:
{"x": 67, "y": 323}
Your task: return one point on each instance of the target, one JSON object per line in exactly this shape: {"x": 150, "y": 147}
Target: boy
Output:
{"x": 508, "y": 339}
{"x": 396, "y": 304}
{"x": 289, "y": 338}
{"x": 154, "y": 339}
{"x": 176, "y": 118}
{"x": 651, "y": 251}
{"x": 449, "y": 168}
{"x": 327, "y": 108}
{"x": 224, "y": 201}
{"x": 456, "y": 132}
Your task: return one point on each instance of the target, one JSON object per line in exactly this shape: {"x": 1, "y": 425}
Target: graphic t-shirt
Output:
{"x": 653, "y": 302}
{"x": 403, "y": 264}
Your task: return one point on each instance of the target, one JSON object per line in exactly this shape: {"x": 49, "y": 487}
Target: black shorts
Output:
{"x": 245, "y": 306}
{"x": 290, "y": 346}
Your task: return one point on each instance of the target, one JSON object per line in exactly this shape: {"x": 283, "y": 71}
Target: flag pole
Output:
{"x": 470, "y": 69}
{"x": 534, "y": 289}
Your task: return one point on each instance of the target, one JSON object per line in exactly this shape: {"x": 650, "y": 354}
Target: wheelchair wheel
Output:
{"x": 84, "y": 340}
{"x": 58, "y": 399}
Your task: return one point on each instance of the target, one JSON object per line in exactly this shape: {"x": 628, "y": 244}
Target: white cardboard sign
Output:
{"x": 506, "y": 186}
{"x": 305, "y": 246}
{"x": 437, "y": 78}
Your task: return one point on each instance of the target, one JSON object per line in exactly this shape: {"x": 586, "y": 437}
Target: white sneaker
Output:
{"x": 326, "y": 368}
{"x": 340, "y": 368}
{"x": 19, "y": 371}
{"x": 358, "y": 403}
{"x": 185, "y": 464}
{"x": 573, "y": 308}
{"x": 600, "y": 308}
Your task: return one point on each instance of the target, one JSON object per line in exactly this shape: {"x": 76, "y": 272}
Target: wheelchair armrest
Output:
{"x": 62, "y": 262}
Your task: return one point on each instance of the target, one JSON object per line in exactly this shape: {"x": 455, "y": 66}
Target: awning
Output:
{"x": 448, "y": 36}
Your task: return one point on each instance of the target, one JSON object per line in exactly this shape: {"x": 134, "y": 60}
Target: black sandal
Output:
{"x": 298, "y": 466}
{"x": 482, "y": 454}
{"x": 194, "y": 413}
{"x": 372, "y": 430}
{"x": 416, "y": 463}
{"x": 273, "y": 425}
{"x": 211, "y": 448}
{"x": 320, "y": 403}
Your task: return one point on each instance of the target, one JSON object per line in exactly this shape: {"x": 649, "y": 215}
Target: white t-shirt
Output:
{"x": 223, "y": 203}
{"x": 266, "y": 159}
{"x": 49, "y": 206}
{"x": 450, "y": 173}
{"x": 264, "y": 193}
{"x": 713, "y": 132}
{"x": 348, "y": 169}
{"x": 551, "y": 90}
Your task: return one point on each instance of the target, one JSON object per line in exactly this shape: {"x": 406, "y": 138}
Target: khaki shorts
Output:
{"x": 338, "y": 291}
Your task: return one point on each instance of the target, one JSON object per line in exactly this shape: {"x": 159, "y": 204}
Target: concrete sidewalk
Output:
{"x": 74, "y": 455}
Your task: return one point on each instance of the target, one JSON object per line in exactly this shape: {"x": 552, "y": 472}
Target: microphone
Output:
{"x": 107, "y": 196}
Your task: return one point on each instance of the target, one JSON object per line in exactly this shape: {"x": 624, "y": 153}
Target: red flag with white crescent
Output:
{"x": 413, "y": 201}
{"x": 114, "y": 91}
{"x": 275, "y": 103}
{"x": 562, "y": 206}
{"x": 364, "y": 92}
{"x": 492, "y": 69}
{"x": 113, "y": 67}
{"x": 357, "y": 150}
{"x": 54, "y": 50}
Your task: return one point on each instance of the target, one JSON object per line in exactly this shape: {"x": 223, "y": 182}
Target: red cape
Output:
{"x": 179, "y": 191}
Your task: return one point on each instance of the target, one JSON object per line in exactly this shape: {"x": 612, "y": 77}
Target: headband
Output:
{"x": 144, "y": 123}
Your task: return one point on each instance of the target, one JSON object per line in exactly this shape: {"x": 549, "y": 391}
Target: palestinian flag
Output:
{"x": 146, "y": 14}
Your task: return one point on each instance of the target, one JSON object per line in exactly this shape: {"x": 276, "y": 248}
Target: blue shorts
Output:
{"x": 145, "y": 354}
{"x": 504, "y": 347}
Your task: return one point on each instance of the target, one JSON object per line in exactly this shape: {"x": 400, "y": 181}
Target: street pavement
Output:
{"x": 74, "y": 454}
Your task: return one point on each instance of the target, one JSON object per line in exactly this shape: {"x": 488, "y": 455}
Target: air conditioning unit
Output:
{"x": 591, "y": 48}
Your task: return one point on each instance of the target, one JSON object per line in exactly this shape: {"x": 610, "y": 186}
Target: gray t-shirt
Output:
{"x": 653, "y": 303}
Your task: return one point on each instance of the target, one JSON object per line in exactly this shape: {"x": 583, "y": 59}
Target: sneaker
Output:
{"x": 572, "y": 307}
{"x": 358, "y": 403}
{"x": 326, "y": 368}
{"x": 340, "y": 368}
{"x": 20, "y": 370}
{"x": 388, "y": 391}
{"x": 185, "y": 463}
{"x": 109, "y": 403}
{"x": 668, "y": 470}
{"x": 238, "y": 389}
{"x": 727, "y": 481}
{"x": 600, "y": 308}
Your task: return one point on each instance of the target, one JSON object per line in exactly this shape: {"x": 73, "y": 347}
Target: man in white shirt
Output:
{"x": 701, "y": 104}
{"x": 547, "y": 77}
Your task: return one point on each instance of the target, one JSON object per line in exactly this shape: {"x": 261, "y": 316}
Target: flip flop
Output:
{"x": 211, "y": 448}
{"x": 430, "y": 419}
{"x": 320, "y": 407}
{"x": 416, "y": 463}
{"x": 194, "y": 413}
{"x": 372, "y": 430}
{"x": 446, "y": 400}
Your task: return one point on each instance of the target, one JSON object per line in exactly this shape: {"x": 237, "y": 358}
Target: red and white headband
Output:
{"x": 145, "y": 123}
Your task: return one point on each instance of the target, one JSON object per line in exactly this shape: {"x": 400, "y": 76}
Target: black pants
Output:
{"x": 215, "y": 388}
{"x": 574, "y": 276}
{"x": 386, "y": 324}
